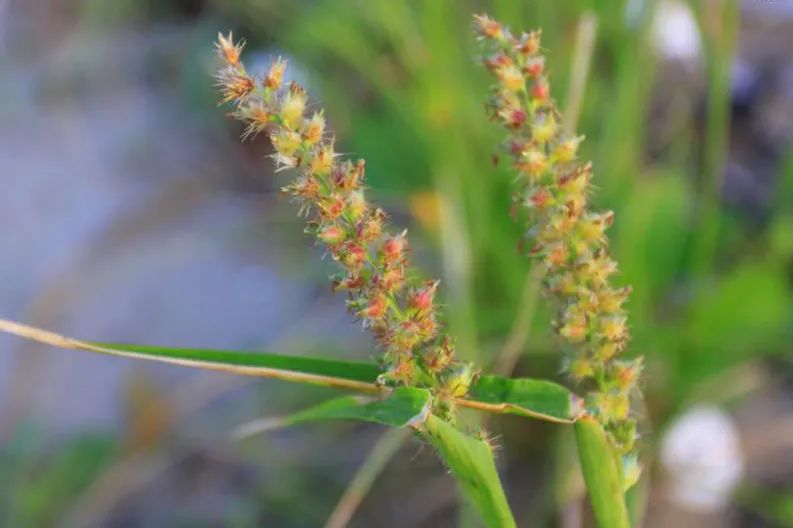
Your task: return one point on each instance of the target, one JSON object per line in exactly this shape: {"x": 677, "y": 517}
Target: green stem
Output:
{"x": 602, "y": 474}
{"x": 579, "y": 69}
{"x": 383, "y": 451}
{"x": 718, "y": 22}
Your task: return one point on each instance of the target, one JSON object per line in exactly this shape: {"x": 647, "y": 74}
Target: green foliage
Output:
{"x": 652, "y": 229}
{"x": 45, "y": 484}
{"x": 745, "y": 311}
{"x": 775, "y": 506}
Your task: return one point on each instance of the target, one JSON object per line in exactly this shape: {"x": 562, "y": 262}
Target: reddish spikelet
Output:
{"x": 331, "y": 235}
{"x": 376, "y": 309}
{"x": 393, "y": 250}
{"x": 422, "y": 299}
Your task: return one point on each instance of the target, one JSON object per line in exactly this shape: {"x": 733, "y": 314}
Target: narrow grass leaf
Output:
{"x": 540, "y": 399}
{"x": 350, "y": 370}
{"x": 402, "y": 407}
{"x": 405, "y": 406}
{"x": 471, "y": 462}
{"x": 319, "y": 371}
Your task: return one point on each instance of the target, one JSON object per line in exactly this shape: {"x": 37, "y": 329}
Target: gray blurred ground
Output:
{"x": 124, "y": 218}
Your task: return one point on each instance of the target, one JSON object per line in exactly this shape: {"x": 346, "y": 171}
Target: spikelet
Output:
{"x": 569, "y": 240}
{"x": 382, "y": 289}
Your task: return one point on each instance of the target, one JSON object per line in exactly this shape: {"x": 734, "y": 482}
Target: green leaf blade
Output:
{"x": 399, "y": 408}
{"x": 527, "y": 397}
{"x": 602, "y": 474}
{"x": 404, "y": 407}
{"x": 471, "y": 461}
{"x": 351, "y": 370}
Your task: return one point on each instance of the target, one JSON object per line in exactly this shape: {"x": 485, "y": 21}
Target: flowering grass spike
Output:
{"x": 566, "y": 237}
{"x": 383, "y": 289}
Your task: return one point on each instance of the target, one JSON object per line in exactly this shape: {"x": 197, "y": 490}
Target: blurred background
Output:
{"x": 132, "y": 213}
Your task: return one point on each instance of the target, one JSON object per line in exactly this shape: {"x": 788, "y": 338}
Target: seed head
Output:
{"x": 529, "y": 43}
{"x": 540, "y": 91}
{"x": 376, "y": 308}
{"x": 292, "y": 108}
{"x": 569, "y": 239}
{"x": 441, "y": 355}
{"x": 565, "y": 150}
{"x": 372, "y": 227}
{"x": 627, "y": 373}
{"x": 544, "y": 129}
{"x": 235, "y": 85}
{"x": 331, "y": 235}
{"x": 321, "y": 163}
{"x": 228, "y": 50}
{"x": 488, "y": 28}
{"x": 256, "y": 115}
{"x": 576, "y": 182}
{"x": 356, "y": 205}
{"x": 352, "y": 255}
{"x": 592, "y": 227}
{"x": 391, "y": 280}
{"x": 275, "y": 76}
{"x": 613, "y": 328}
{"x": 394, "y": 248}
{"x": 457, "y": 380}
{"x": 313, "y": 129}
{"x": 610, "y": 300}
{"x": 534, "y": 67}
{"x": 581, "y": 369}
{"x": 286, "y": 142}
{"x": 374, "y": 269}
{"x": 575, "y": 330}
{"x": 533, "y": 163}
{"x": 539, "y": 198}
{"x": 512, "y": 78}
{"x": 422, "y": 299}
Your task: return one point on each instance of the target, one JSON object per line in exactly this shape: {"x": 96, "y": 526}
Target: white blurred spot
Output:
{"x": 674, "y": 33}
{"x": 702, "y": 456}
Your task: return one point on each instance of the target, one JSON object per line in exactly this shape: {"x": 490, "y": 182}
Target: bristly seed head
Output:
{"x": 234, "y": 84}
{"x": 275, "y": 76}
{"x": 229, "y": 51}
{"x": 383, "y": 290}
{"x": 570, "y": 240}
